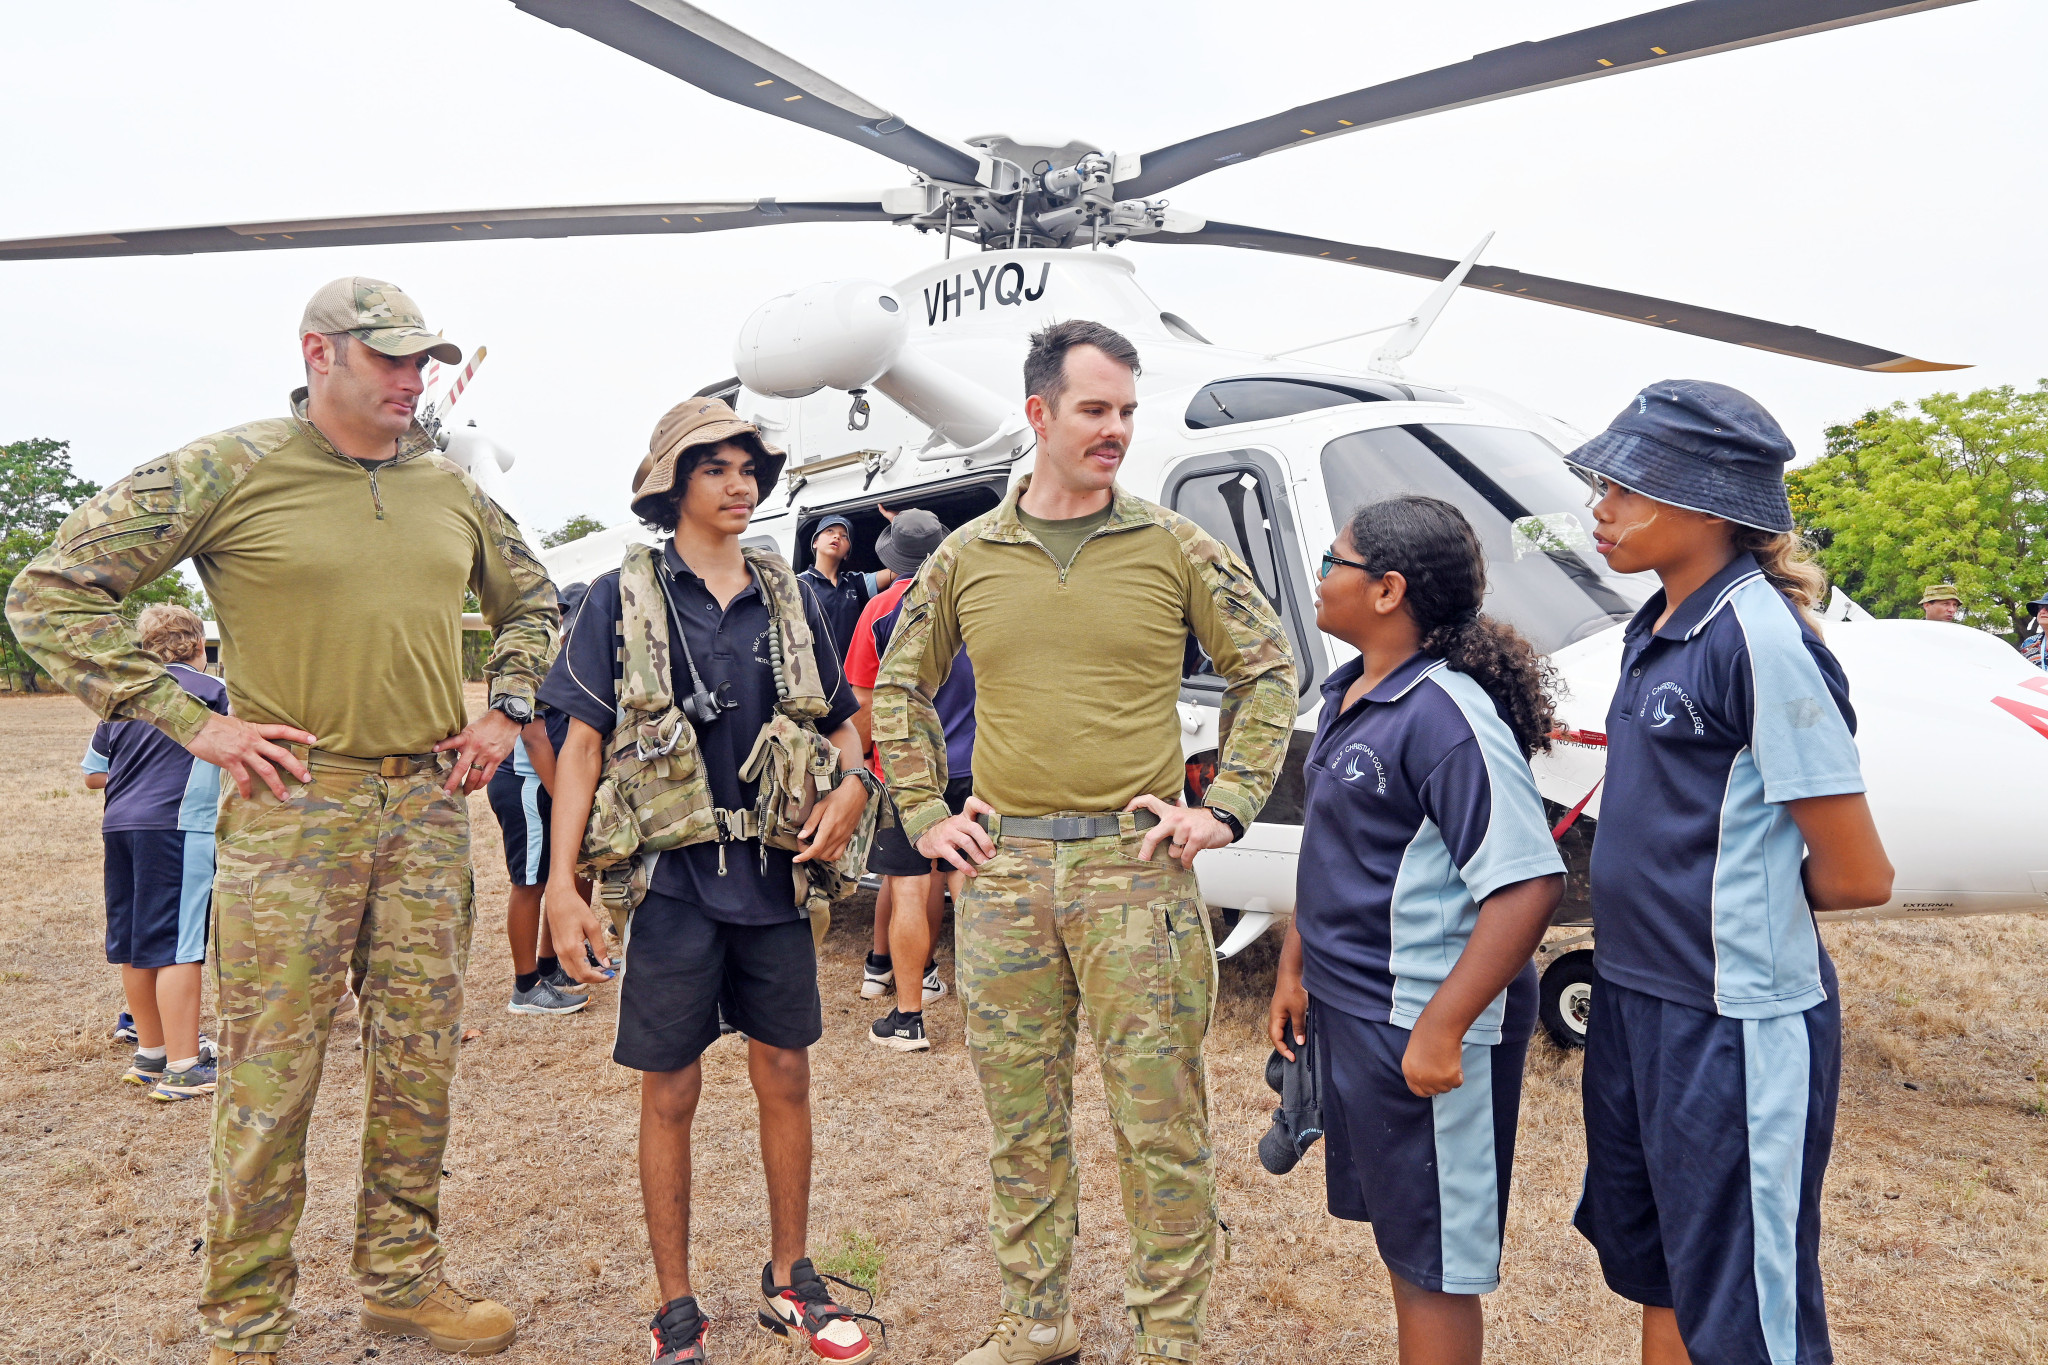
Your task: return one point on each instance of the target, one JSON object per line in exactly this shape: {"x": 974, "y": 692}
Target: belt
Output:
{"x": 394, "y": 765}
{"x": 1063, "y": 829}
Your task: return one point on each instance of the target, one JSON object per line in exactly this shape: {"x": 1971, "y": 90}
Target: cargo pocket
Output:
{"x": 237, "y": 966}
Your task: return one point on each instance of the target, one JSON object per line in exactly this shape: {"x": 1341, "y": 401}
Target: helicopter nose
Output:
{"x": 1952, "y": 724}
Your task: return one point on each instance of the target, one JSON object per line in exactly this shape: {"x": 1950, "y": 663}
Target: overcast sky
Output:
{"x": 1881, "y": 183}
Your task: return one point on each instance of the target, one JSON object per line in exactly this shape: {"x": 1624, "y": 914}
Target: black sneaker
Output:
{"x": 676, "y": 1337}
{"x": 877, "y": 977}
{"x": 803, "y": 1311}
{"x": 900, "y": 1032}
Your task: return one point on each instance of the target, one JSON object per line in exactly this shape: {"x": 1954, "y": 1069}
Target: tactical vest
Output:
{"x": 653, "y": 793}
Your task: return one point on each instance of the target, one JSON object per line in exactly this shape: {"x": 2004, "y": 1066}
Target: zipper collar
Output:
{"x": 1126, "y": 512}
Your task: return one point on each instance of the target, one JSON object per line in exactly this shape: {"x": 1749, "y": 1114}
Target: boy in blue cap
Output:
{"x": 1733, "y": 810}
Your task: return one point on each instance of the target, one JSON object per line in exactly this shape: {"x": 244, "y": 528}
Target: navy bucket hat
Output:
{"x": 1704, "y": 447}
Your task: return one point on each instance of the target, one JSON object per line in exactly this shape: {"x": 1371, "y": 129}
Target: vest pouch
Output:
{"x": 660, "y": 775}
{"x": 785, "y": 763}
{"x": 612, "y": 834}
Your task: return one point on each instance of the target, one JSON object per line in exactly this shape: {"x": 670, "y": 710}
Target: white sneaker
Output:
{"x": 934, "y": 989}
{"x": 877, "y": 978}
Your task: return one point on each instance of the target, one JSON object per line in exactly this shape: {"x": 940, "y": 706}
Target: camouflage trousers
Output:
{"x": 1042, "y": 930}
{"x": 358, "y": 880}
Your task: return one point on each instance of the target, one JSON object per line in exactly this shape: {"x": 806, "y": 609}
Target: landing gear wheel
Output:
{"x": 1565, "y": 998}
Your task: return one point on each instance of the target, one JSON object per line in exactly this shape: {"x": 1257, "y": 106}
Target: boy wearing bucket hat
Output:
{"x": 719, "y": 931}
{"x": 2035, "y": 645}
{"x": 1734, "y": 809}
{"x": 916, "y": 894}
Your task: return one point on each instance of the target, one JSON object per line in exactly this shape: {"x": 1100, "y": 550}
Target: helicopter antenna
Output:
{"x": 1398, "y": 347}
{"x": 447, "y": 401}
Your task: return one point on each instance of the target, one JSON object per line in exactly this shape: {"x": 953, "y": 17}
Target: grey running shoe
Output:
{"x": 560, "y": 979}
{"x": 545, "y": 999}
{"x": 195, "y": 1081}
{"x": 900, "y": 1032}
{"x": 145, "y": 1070}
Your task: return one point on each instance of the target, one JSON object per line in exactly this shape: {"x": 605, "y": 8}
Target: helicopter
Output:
{"x": 908, "y": 394}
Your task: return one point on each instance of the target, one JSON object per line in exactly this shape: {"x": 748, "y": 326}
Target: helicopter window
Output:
{"x": 1543, "y": 576}
{"x": 1234, "y": 498}
{"x": 1262, "y": 398}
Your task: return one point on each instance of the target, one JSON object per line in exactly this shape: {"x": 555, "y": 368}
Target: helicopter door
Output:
{"x": 1240, "y": 497}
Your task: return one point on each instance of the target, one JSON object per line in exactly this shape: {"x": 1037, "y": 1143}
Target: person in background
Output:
{"x": 519, "y": 793}
{"x": 1426, "y": 880}
{"x": 1940, "y": 603}
{"x": 909, "y": 879}
{"x": 2035, "y": 645}
{"x": 1734, "y": 809}
{"x": 158, "y": 831}
{"x": 840, "y": 595}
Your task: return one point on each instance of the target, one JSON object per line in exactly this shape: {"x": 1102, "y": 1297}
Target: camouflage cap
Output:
{"x": 381, "y": 316}
{"x": 696, "y": 422}
{"x": 1940, "y": 592}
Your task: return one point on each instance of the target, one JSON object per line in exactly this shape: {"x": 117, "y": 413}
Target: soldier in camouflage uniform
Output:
{"x": 1075, "y": 602}
{"x": 335, "y": 545}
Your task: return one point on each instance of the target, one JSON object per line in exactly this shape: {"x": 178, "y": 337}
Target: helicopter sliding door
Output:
{"x": 1240, "y": 497}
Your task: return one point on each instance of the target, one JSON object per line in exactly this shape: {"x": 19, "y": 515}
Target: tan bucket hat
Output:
{"x": 381, "y": 316}
{"x": 696, "y": 422}
{"x": 1940, "y": 592}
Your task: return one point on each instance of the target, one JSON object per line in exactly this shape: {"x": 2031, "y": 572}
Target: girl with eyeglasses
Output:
{"x": 1427, "y": 876}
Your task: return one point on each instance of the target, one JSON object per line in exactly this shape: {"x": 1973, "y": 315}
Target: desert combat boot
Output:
{"x": 228, "y": 1355}
{"x": 1028, "y": 1341}
{"x": 448, "y": 1318}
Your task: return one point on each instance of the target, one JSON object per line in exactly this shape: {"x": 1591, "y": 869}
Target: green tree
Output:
{"x": 575, "y": 528}
{"x": 1950, "y": 490}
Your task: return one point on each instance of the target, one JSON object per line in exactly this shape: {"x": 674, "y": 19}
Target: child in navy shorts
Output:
{"x": 1427, "y": 877}
{"x": 162, "y": 804}
{"x": 1733, "y": 810}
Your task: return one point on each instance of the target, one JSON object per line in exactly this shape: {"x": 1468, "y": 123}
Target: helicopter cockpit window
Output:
{"x": 1235, "y": 498}
{"x": 1543, "y": 576}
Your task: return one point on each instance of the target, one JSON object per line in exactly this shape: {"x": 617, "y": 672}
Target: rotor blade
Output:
{"x": 715, "y": 57}
{"x": 1697, "y": 29}
{"x": 606, "y": 220}
{"x": 1802, "y": 342}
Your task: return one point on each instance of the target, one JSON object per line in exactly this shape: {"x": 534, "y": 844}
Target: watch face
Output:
{"x": 515, "y": 708}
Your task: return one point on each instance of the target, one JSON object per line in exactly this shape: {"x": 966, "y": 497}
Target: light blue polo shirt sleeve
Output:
{"x": 1799, "y": 738}
{"x": 97, "y": 757}
{"x": 1506, "y": 839}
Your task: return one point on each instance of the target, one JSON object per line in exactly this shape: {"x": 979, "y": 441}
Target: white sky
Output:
{"x": 1880, "y": 183}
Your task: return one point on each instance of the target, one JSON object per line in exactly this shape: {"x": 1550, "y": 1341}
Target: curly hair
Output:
{"x": 171, "y": 632}
{"x": 1431, "y": 545}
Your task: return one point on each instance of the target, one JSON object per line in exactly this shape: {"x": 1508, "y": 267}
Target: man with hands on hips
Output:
{"x": 335, "y": 544}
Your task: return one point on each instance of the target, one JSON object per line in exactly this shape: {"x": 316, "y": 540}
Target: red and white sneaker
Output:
{"x": 676, "y": 1336}
{"x": 803, "y": 1310}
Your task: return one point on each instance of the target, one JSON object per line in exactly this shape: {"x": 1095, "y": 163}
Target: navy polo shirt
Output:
{"x": 1728, "y": 711}
{"x": 730, "y": 646}
{"x": 841, "y": 602}
{"x": 1419, "y": 806}
{"x": 153, "y": 782}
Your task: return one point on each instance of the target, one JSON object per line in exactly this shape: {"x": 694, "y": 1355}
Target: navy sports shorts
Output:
{"x": 1706, "y": 1142}
{"x": 891, "y": 855}
{"x": 683, "y": 969}
{"x": 159, "y": 894}
{"x": 522, "y": 807}
{"x": 1430, "y": 1175}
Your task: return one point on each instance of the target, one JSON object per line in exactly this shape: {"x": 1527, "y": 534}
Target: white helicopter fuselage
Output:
{"x": 1958, "y": 780}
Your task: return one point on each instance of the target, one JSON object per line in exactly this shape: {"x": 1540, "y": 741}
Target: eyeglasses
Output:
{"x": 1331, "y": 561}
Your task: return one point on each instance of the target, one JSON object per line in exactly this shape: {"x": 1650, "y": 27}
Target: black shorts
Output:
{"x": 684, "y": 968}
{"x": 522, "y": 807}
{"x": 892, "y": 856}
{"x": 159, "y": 895}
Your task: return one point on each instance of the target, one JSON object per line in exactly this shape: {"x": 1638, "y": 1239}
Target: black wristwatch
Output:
{"x": 517, "y": 709}
{"x": 1229, "y": 820}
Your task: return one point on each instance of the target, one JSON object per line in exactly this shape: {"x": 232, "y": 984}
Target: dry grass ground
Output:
{"x": 1936, "y": 1246}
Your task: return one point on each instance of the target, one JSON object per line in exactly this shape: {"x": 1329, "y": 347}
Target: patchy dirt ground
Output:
{"x": 1937, "y": 1207}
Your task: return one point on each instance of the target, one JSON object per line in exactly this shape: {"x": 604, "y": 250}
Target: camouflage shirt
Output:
{"x": 338, "y": 588}
{"x": 1076, "y": 670}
